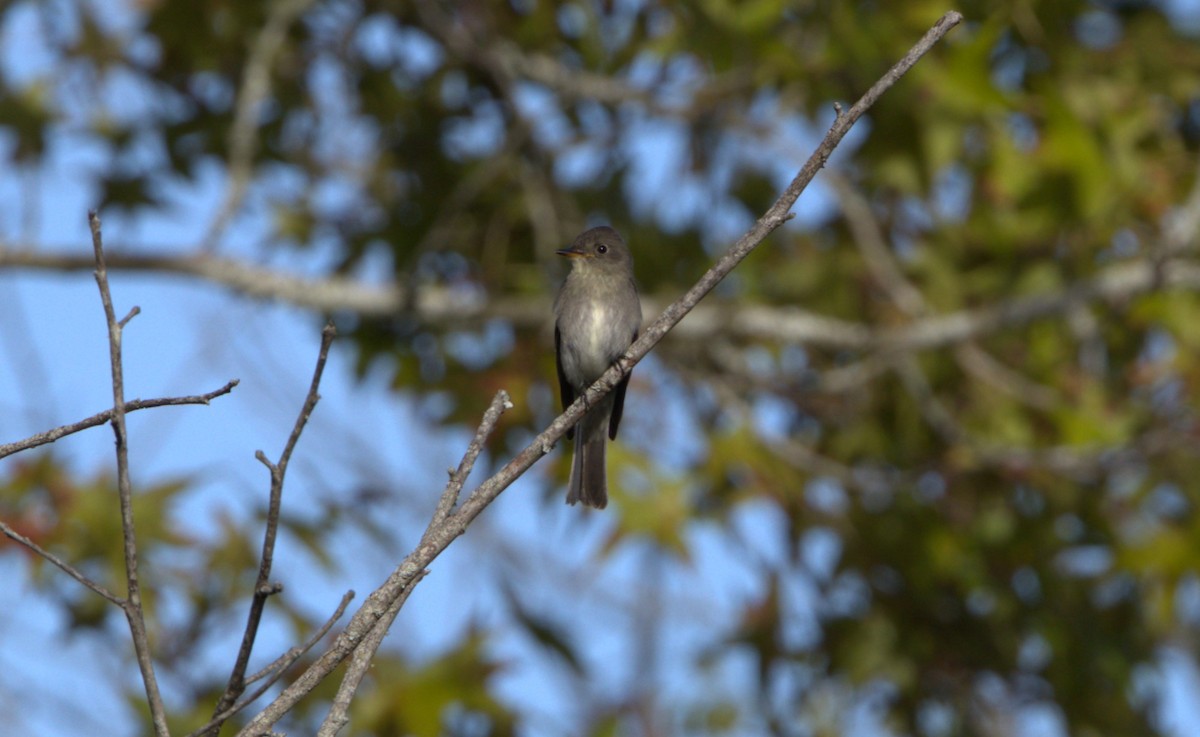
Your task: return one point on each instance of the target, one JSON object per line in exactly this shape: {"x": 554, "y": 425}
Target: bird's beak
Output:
{"x": 571, "y": 252}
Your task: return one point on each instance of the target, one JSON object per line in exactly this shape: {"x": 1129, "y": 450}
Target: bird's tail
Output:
{"x": 589, "y": 483}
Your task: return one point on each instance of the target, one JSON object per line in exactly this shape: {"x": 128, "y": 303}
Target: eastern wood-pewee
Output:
{"x": 596, "y": 317}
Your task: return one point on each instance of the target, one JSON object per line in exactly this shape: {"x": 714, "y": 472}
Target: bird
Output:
{"x": 597, "y": 315}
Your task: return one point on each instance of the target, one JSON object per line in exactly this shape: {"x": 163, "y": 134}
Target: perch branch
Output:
{"x": 438, "y": 537}
{"x": 360, "y": 663}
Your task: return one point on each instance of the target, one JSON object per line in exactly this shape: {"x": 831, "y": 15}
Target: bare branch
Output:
{"x": 66, "y": 567}
{"x": 99, "y": 419}
{"x": 360, "y": 663}
{"x": 262, "y": 587}
{"x": 374, "y": 617}
{"x": 1112, "y": 285}
{"x": 458, "y": 477}
{"x": 437, "y": 538}
{"x": 363, "y": 654}
{"x": 275, "y": 670}
{"x": 133, "y": 600}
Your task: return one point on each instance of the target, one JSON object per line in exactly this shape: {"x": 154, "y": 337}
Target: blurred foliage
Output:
{"x": 988, "y": 526}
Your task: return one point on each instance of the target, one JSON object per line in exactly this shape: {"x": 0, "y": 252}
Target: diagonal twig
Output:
{"x": 881, "y": 262}
{"x": 275, "y": 670}
{"x": 66, "y": 567}
{"x": 458, "y": 476}
{"x": 360, "y": 663}
{"x": 263, "y": 589}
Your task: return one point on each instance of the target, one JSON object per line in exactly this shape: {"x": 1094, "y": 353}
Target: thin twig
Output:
{"x": 932, "y": 409}
{"x": 382, "y": 605}
{"x": 277, "y": 668}
{"x": 380, "y": 602}
{"x": 50, "y": 436}
{"x": 458, "y": 476}
{"x": 66, "y": 567}
{"x": 133, "y": 600}
{"x": 360, "y": 663}
{"x": 262, "y": 587}
{"x": 132, "y": 314}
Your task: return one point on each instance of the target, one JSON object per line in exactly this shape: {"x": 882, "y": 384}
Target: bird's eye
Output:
{"x": 601, "y": 248}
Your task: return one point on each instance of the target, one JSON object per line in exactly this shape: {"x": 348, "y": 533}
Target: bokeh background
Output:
{"x": 924, "y": 465}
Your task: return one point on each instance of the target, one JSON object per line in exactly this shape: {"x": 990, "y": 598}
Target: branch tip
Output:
{"x": 132, "y": 314}
{"x": 236, "y": 684}
{"x": 95, "y": 420}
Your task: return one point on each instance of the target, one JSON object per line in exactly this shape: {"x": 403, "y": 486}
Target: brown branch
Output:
{"x": 361, "y": 658}
{"x": 132, "y": 605}
{"x": 50, "y": 436}
{"x": 275, "y": 670}
{"x": 373, "y": 618}
{"x": 458, "y": 476}
{"x": 1111, "y": 286}
{"x": 263, "y": 589}
{"x": 438, "y": 537}
{"x": 66, "y": 567}
{"x": 360, "y": 663}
